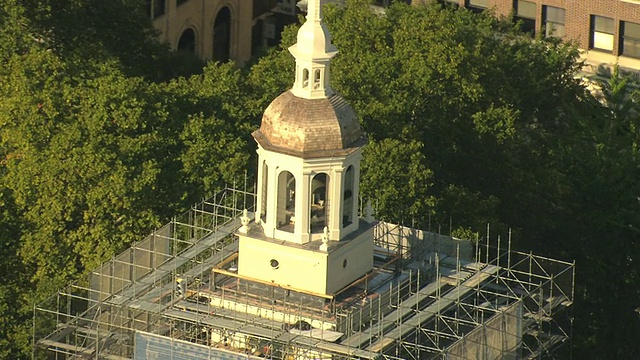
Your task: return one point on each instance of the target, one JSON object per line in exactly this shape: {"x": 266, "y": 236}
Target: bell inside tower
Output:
{"x": 286, "y": 201}
{"x": 319, "y": 202}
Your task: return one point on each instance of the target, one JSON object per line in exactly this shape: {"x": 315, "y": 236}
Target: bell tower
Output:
{"x": 313, "y": 53}
{"x": 307, "y": 234}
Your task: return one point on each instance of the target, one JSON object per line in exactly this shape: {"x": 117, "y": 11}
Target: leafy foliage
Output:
{"x": 93, "y": 152}
{"x": 511, "y": 136}
{"x": 396, "y": 179}
{"x": 470, "y": 122}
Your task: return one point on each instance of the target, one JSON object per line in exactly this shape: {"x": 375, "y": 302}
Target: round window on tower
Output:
{"x": 274, "y": 264}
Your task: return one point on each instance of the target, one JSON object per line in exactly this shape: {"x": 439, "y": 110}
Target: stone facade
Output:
{"x": 212, "y": 29}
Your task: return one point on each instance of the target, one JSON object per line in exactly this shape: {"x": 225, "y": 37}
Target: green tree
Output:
{"x": 94, "y": 152}
{"x": 96, "y": 31}
{"x": 397, "y": 181}
{"x": 601, "y": 227}
{"x": 14, "y": 322}
{"x": 216, "y": 135}
{"x": 476, "y": 92}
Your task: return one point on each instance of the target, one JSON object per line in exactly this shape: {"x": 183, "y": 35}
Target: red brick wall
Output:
{"x": 578, "y": 15}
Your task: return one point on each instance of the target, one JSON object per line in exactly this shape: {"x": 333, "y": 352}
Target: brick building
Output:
{"x": 220, "y": 30}
{"x": 608, "y": 30}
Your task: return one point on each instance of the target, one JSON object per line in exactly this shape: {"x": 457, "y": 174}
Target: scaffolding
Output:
{"x": 177, "y": 294}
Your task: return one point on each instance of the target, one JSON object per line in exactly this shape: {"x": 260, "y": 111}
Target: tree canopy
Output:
{"x": 470, "y": 122}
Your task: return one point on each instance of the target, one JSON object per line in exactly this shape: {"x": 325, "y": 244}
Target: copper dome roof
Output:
{"x": 310, "y": 128}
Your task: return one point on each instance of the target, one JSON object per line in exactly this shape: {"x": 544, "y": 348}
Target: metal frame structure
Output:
{"x": 429, "y": 297}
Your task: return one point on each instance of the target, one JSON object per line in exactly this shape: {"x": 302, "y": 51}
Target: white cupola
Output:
{"x": 309, "y": 152}
{"x": 313, "y": 52}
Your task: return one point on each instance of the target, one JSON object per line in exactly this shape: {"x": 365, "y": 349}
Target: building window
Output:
{"x": 553, "y": 21}
{"x": 180, "y": 2}
{"x": 526, "y": 15}
{"x": 630, "y": 39}
{"x": 477, "y": 5}
{"x": 452, "y": 4}
{"x": 384, "y": 3}
{"x": 155, "y": 8}
{"x": 602, "y": 29}
{"x": 187, "y": 42}
{"x": 222, "y": 35}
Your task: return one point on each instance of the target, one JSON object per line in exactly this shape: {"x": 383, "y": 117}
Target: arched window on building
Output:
{"x": 187, "y": 42}
{"x": 319, "y": 203}
{"x": 348, "y": 197}
{"x": 222, "y": 35}
{"x": 265, "y": 189}
{"x": 286, "y": 201}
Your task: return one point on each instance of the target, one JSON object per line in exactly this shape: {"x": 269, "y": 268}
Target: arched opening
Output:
{"x": 265, "y": 189}
{"x": 316, "y": 79}
{"x": 347, "y": 197}
{"x": 187, "y": 42}
{"x": 286, "y": 216}
{"x": 305, "y": 77}
{"x": 222, "y": 35}
{"x": 319, "y": 203}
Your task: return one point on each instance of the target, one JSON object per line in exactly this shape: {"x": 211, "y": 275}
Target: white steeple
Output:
{"x": 308, "y": 235}
{"x": 313, "y": 53}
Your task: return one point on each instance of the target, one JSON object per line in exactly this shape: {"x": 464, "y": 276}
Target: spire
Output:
{"x": 313, "y": 53}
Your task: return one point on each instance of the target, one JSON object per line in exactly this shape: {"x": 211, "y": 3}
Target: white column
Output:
{"x": 260, "y": 185}
{"x": 356, "y": 193}
{"x": 303, "y": 208}
{"x": 335, "y": 204}
{"x": 272, "y": 198}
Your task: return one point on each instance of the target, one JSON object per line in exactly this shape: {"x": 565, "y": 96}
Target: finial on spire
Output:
{"x": 314, "y": 10}
{"x": 313, "y": 53}
{"x": 325, "y": 239}
{"x": 244, "y": 220}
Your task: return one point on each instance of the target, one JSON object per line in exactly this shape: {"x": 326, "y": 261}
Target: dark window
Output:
{"x": 222, "y": 35}
{"x": 180, "y": 2}
{"x": 553, "y": 21}
{"x": 155, "y": 8}
{"x": 630, "y": 39}
{"x": 477, "y": 5}
{"x": 158, "y": 8}
{"x": 526, "y": 15}
{"x": 187, "y": 42}
{"x": 452, "y": 4}
{"x": 602, "y": 29}
{"x": 383, "y": 2}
